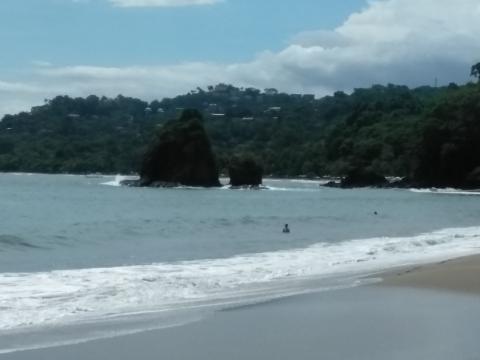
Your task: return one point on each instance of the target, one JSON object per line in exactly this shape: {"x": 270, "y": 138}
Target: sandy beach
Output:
{"x": 462, "y": 275}
{"x": 374, "y": 323}
{"x": 414, "y": 314}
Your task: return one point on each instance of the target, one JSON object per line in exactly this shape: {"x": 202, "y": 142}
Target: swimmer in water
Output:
{"x": 286, "y": 230}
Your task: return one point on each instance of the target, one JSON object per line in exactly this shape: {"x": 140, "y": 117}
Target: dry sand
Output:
{"x": 462, "y": 275}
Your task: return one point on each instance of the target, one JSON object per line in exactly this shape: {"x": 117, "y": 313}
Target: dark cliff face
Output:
{"x": 363, "y": 178}
{"x": 245, "y": 171}
{"x": 181, "y": 154}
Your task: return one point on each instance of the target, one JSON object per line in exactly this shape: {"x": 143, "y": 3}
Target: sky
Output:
{"x": 161, "y": 48}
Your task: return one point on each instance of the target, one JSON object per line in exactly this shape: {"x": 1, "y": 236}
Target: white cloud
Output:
{"x": 402, "y": 41}
{"x": 20, "y": 96}
{"x": 18, "y": 87}
{"x": 161, "y": 3}
{"x": 408, "y": 42}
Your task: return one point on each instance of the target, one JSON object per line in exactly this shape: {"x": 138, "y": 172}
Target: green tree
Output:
{"x": 476, "y": 71}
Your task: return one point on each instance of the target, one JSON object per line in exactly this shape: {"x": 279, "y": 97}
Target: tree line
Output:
{"x": 431, "y": 134}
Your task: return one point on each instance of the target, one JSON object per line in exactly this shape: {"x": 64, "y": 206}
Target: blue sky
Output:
{"x": 95, "y": 32}
{"x": 157, "y": 48}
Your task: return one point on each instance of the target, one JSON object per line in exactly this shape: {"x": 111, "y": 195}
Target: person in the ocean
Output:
{"x": 286, "y": 229}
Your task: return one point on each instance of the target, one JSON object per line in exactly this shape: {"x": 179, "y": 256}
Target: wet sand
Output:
{"x": 369, "y": 322}
{"x": 419, "y": 312}
{"x": 462, "y": 275}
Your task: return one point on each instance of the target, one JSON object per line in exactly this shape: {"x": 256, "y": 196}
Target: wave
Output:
{"x": 117, "y": 181}
{"x": 292, "y": 189}
{"x": 13, "y": 241}
{"x": 75, "y": 296}
{"x": 448, "y": 191}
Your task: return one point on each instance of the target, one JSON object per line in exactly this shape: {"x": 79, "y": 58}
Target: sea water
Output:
{"x": 83, "y": 258}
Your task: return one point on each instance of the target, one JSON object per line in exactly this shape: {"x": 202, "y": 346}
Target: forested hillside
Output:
{"x": 424, "y": 132}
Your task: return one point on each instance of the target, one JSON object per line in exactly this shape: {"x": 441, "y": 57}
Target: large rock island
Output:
{"x": 245, "y": 171}
{"x": 181, "y": 155}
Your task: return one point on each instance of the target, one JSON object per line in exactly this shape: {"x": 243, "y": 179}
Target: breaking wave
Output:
{"x": 72, "y": 296}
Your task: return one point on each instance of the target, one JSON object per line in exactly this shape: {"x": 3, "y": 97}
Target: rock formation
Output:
{"x": 363, "y": 178}
{"x": 181, "y": 155}
{"x": 245, "y": 171}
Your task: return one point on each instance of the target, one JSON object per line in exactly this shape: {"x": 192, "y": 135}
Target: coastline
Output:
{"x": 402, "y": 324}
{"x": 424, "y": 311}
{"x": 395, "y": 182}
{"x": 458, "y": 275}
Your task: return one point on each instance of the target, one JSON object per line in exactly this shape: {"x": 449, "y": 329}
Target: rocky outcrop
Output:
{"x": 181, "y": 155}
{"x": 363, "y": 178}
{"x": 245, "y": 171}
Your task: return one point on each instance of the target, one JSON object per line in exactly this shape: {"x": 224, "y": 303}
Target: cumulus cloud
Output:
{"x": 161, "y": 3}
{"x": 409, "y": 42}
{"x": 402, "y": 41}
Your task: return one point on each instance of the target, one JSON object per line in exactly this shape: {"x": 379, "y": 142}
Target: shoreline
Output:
{"x": 460, "y": 275}
{"x": 421, "y": 293}
{"x": 329, "y": 182}
{"x": 413, "y": 324}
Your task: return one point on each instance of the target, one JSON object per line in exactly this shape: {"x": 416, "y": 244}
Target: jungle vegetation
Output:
{"x": 431, "y": 134}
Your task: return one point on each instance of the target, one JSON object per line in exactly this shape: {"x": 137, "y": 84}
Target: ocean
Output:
{"x": 83, "y": 258}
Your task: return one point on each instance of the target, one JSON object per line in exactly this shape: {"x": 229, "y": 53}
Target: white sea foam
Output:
{"x": 447, "y": 191}
{"x": 117, "y": 181}
{"x": 292, "y": 189}
{"x": 313, "y": 182}
{"x": 299, "y": 181}
{"x": 75, "y": 296}
{"x": 273, "y": 188}
{"x": 269, "y": 187}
